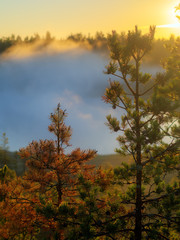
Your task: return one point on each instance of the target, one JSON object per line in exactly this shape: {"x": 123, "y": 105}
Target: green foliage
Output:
{"x": 98, "y": 213}
{"x": 6, "y": 174}
{"x": 149, "y": 117}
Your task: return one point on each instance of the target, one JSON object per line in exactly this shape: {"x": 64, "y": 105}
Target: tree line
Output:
{"x": 98, "y": 43}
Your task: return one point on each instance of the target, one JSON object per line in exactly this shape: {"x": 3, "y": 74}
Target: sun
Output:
{"x": 171, "y": 22}
{"x": 173, "y": 12}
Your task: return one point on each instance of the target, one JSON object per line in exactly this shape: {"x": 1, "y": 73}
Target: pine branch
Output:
{"x": 149, "y": 192}
{"x": 151, "y": 118}
{"x": 125, "y": 80}
{"x": 116, "y": 75}
{"x": 159, "y": 234}
{"x": 142, "y": 94}
{"x": 161, "y": 154}
{"x": 176, "y": 191}
{"x": 117, "y": 105}
{"x": 155, "y": 215}
{"x": 118, "y": 231}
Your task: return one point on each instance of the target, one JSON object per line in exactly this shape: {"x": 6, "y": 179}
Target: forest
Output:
{"x": 98, "y": 42}
{"x": 62, "y": 194}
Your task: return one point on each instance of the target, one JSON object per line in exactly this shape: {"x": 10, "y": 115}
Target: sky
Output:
{"x": 33, "y": 81}
{"x": 62, "y": 17}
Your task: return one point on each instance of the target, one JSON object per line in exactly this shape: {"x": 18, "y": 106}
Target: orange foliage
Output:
{"x": 31, "y": 203}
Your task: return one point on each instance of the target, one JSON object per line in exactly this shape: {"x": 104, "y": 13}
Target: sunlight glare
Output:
{"x": 173, "y": 14}
{"x": 174, "y": 22}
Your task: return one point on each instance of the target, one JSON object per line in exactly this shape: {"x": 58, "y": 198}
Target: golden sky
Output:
{"x": 63, "y": 17}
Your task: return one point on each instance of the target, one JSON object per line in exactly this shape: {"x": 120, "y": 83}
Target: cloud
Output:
{"x": 85, "y": 116}
{"x": 68, "y": 99}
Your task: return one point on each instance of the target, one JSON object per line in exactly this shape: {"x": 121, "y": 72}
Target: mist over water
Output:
{"x": 34, "y": 81}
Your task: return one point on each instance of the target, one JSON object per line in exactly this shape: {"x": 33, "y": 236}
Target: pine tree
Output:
{"x": 4, "y": 158}
{"x": 150, "y": 127}
{"x": 55, "y": 173}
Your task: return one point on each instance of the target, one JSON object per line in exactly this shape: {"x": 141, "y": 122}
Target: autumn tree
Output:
{"x": 17, "y": 214}
{"x": 17, "y": 207}
{"x": 150, "y": 134}
{"x": 55, "y": 171}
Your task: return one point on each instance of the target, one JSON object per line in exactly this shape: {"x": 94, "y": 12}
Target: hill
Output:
{"x": 110, "y": 160}
{"x": 14, "y": 162}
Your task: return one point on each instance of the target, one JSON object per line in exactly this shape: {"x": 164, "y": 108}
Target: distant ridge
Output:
{"x": 110, "y": 160}
{"x": 106, "y": 161}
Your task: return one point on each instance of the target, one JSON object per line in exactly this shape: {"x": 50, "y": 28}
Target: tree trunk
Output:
{"x": 138, "y": 214}
{"x": 59, "y": 190}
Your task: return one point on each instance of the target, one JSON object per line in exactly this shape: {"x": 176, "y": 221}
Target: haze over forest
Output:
{"x": 36, "y": 73}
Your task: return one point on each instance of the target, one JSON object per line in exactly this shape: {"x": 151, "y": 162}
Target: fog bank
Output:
{"x": 34, "y": 78}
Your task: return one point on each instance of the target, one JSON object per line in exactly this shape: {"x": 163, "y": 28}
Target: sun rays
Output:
{"x": 171, "y": 25}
